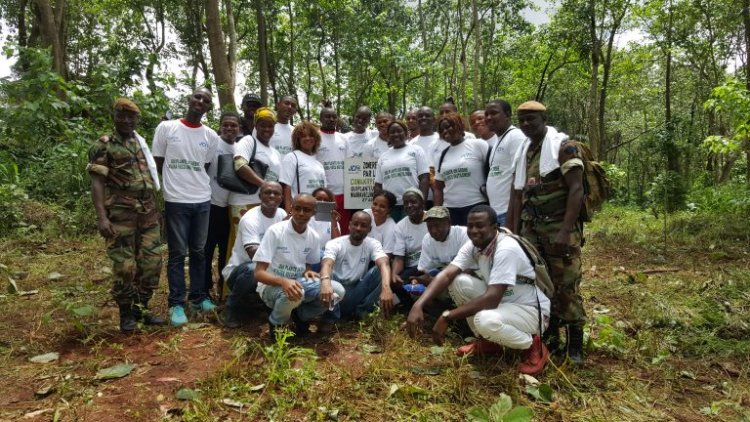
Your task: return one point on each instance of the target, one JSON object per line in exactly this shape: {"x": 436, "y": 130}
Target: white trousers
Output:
{"x": 510, "y": 324}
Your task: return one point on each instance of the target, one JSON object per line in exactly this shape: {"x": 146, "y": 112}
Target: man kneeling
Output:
{"x": 492, "y": 282}
{"x": 347, "y": 259}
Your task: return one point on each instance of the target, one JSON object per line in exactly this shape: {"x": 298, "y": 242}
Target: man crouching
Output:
{"x": 492, "y": 282}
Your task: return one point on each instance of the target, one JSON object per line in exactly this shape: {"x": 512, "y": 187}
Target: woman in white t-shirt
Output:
{"x": 402, "y": 167}
{"x": 383, "y": 225}
{"x": 301, "y": 172}
{"x": 459, "y": 176}
{"x": 260, "y": 143}
{"x": 218, "y": 220}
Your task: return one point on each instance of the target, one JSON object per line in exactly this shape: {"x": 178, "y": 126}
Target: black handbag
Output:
{"x": 228, "y": 179}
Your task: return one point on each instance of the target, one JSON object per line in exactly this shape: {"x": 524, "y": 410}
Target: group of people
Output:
{"x": 437, "y": 239}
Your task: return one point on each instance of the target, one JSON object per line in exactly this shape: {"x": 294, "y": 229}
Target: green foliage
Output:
{"x": 501, "y": 411}
{"x": 732, "y": 100}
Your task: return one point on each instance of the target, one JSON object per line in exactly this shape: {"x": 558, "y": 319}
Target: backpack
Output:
{"x": 596, "y": 186}
{"x": 542, "y": 281}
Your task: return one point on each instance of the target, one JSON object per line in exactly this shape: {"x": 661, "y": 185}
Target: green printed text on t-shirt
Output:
{"x": 183, "y": 164}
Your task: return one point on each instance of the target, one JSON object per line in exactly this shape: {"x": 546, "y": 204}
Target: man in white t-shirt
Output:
{"x": 281, "y": 140}
{"x": 411, "y": 122}
{"x": 282, "y": 269}
{"x": 497, "y": 115}
{"x": 183, "y": 149}
{"x": 359, "y": 136}
{"x": 240, "y": 271}
{"x": 347, "y": 258}
{"x": 492, "y": 282}
{"x": 441, "y": 245}
{"x": 331, "y": 154}
{"x": 377, "y": 145}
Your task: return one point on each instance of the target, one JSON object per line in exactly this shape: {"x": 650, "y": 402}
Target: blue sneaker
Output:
{"x": 205, "y": 306}
{"x": 177, "y": 316}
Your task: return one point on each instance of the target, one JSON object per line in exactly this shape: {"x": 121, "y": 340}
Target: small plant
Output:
{"x": 289, "y": 368}
{"x": 501, "y": 411}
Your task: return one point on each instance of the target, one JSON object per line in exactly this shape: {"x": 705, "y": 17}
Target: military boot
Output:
{"x": 551, "y": 337}
{"x": 128, "y": 323}
{"x": 575, "y": 344}
{"x": 142, "y": 313}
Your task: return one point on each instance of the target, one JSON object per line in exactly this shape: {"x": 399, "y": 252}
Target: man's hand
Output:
{"x": 335, "y": 216}
{"x": 438, "y": 331}
{"x": 396, "y": 279}
{"x": 415, "y": 320}
{"x": 292, "y": 289}
{"x": 421, "y": 279}
{"x": 310, "y": 275}
{"x": 118, "y": 176}
{"x": 326, "y": 291}
{"x": 386, "y": 301}
{"x": 562, "y": 241}
{"x": 106, "y": 228}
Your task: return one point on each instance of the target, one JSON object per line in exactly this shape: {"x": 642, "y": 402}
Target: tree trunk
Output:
{"x": 232, "y": 47}
{"x": 21, "y": 23}
{"x": 616, "y": 21}
{"x": 290, "y": 81}
{"x": 262, "y": 51}
{"x": 593, "y": 113}
{"x": 746, "y": 24}
{"x": 476, "y": 91}
{"x": 50, "y": 32}
{"x": 218, "y": 49}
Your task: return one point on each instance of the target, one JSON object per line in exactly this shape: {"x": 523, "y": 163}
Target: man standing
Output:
{"x": 123, "y": 181}
{"x": 360, "y": 135}
{"x": 281, "y": 140}
{"x": 545, "y": 205}
{"x": 331, "y": 154}
{"x": 428, "y": 139}
{"x": 501, "y": 304}
{"x": 240, "y": 272}
{"x": 347, "y": 258}
{"x": 411, "y": 122}
{"x": 183, "y": 150}
{"x": 497, "y": 114}
{"x": 282, "y": 269}
{"x": 250, "y": 103}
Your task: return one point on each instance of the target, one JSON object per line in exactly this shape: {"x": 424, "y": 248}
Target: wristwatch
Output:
{"x": 446, "y": 314}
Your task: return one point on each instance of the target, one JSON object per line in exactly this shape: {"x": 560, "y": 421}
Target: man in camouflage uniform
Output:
{"x": 123, "y": 182}
{"x": 545, "y": 205}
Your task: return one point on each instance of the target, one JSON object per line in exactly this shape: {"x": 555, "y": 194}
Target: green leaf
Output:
{"x": 519, "y": 414}
{"x": 437, "y": 350}
{"x": 117, "y": 371}
{"x": 501, "y": 407}
{"x": 543, "y": 392}
{"x": 84, "y": 311}
{"x": 477, "y": 414}
{"x": 186, "y": 394}
{"x": 45, "y": 358}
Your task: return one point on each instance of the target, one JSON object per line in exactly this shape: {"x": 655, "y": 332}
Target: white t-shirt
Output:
{"x": 281, "y": 140}
{"x": 311, "y": 172}
{"x": 356, "y": 143}
{"x": 427, "y": 143}
{"x": 500, "y": 177}
{"x": 462, "y": 171}
{"x": 407, "y": 241}
{"x": 185, "y": 151}
{"x": 219, "y": 195}
{"x": 331, "y": 154}
{"x": 492, "y": 140}
{"x": 351, "y": 262}
{"x": 250, "y": 230}
{"x": 383, "y": 233}
{"x": 439, "y": 254}
{"x": 287, "y": 252}
{"x": 508, "y": 262}
{"x": 268, "y": 155}
{"x": 398, "y": 169}
{"x": 375, "y": 147}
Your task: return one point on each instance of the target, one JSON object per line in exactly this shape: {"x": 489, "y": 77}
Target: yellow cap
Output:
{"x": 265, "y": 113}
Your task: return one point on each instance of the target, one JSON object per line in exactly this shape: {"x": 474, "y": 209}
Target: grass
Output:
{"x": 668, "y": 339}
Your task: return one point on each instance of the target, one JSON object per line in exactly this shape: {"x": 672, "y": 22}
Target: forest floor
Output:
{"x": 668, "y": 339}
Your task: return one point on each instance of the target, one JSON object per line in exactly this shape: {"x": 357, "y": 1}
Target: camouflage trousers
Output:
{"x": 564, "y": 265}
{"x": 135, "y": 252}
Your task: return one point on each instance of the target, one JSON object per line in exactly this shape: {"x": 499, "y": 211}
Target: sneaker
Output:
{"x": 177, "y": 316}
{"x": 534, "y": 358}
{"x": 480, "y": 347}
{"x": 205, "y": 306}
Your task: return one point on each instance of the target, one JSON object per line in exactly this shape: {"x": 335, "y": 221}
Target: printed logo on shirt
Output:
{"x": 333, "y": 165}
{"x": 183, "y": 164}
{"x": 271, "y": 176}
{"x": 203, "y": 144}
{"x": 397, "y": 172}
{"x": 458, "y": 173}
{"x": 287, "y": 271}
{"x": 283, "y": 149}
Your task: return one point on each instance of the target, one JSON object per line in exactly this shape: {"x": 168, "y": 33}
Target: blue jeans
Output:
{"x": 502, "y": 219}
{"x": 218, "y": 235}
{"x": 241, "y": 284}
{"x": 459, "y": 215}
{"x": 308, "y": 308}
{"x": 361, "y": 295}
{"x": 187, "y": 229}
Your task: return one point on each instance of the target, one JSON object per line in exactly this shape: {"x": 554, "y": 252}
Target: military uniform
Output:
{"x": 131, "y": 208}
{"x": 543, "y": 210}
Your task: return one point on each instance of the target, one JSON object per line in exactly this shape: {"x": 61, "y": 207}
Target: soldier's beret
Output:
{"x": 531, "y": 106}
{"x": 124, "y": 104}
